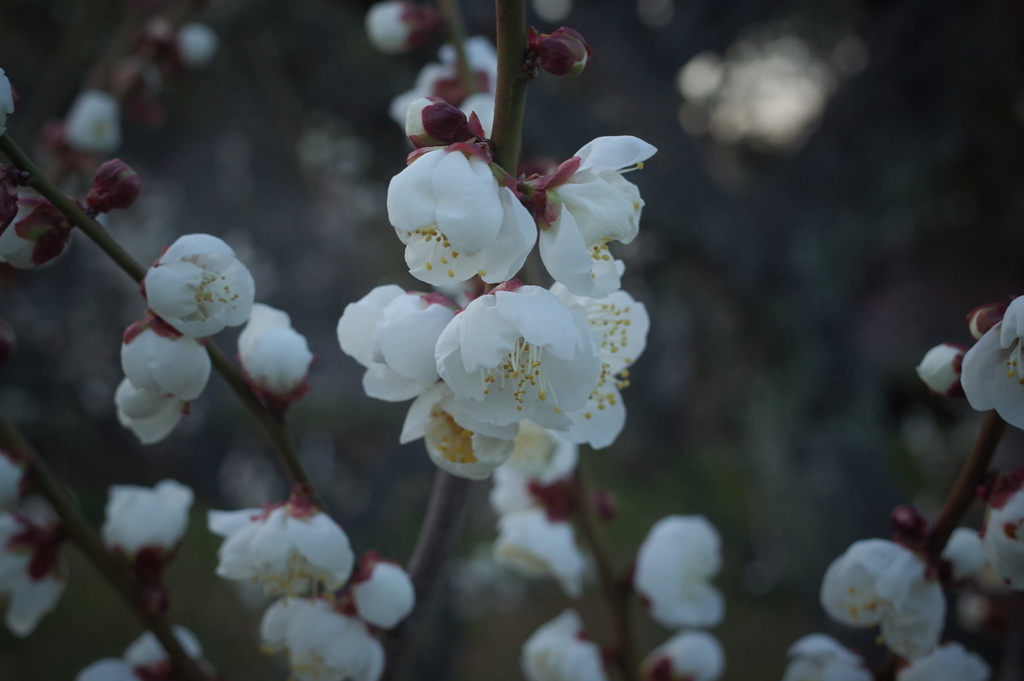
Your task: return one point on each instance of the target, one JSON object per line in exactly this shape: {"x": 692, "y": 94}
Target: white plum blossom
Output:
{"x": 37, "y": 234}
{"x": 519, "y": 354}
{"x": 322, "y": 644}
{"x": 558, "y": 651}
{"x": 150, "y": 416}
{"x": 140, "y": 518}
{"x": 1002, "y": 537}
{"x": 948, "y": 662}
{"x": 289, "y": 549}
{"x": 992, "y": 374}
{"x": 456, "y": 220}
{"x": 442, "y": 79}
{"x": 542, "y": 457}
{"x": 940, "y": 369}
{"x": 458, "y": 443}
{"x": 93, "y": 125}
{"x": 12, "y": 472}
{"x": 619, "y": 325}
{"x": 158, "y": 359}
{"x": 6, "y": 101}
{"x": 535, "y": 545}
{"x": 880, "y": 582}
{"x": 382, "y": 592}
{"x": 396, "y": 26}
{"x": 33, "y": 574}
{"x": 585, "y": 205}
{"x": 819, "y": 657}
{"x": 674, "y": 567}
{"x": 964, "y": 553}
{"x": 145, "y": 658}
{"x": 275, "y": 357}
{"x": 199, "y": 287}
{"x": 197, "y": 45}
{"x": 393, "y": 333}
{"x": 687, "y": 656}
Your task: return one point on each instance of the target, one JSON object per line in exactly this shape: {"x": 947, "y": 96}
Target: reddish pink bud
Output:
{"x": 908, "y": 525}
{"x": 8, "y": 341}
{"x": 563, "y": 53}
{"x": 115, "y": 185}
{"x": 433, "y": 122}
{"x": 984, "y": 317}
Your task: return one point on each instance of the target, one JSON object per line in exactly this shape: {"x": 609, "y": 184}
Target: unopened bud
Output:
{"x": 433, "y": 122}
{"x": 562, "y": 53}
{"x": 8, "y": 341}
{"x": 984, "y": 317}
{"x": 908, "y": 525}
{"x": 397, "y": 26}
{"x": 115, "y": 185}
{"x": 940, "y": 370}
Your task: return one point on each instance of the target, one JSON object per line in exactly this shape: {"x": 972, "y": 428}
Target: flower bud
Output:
{"x": 7, "y": 98}
{"x": 433, "y": 122}
{"x": 197, "y": 45}
{"x": 39, "y": 234}
{"x": 984, "y": 317}
{"x": 274, "y": 356}
{"x": 396, "y": 26}
{"x": 687, "y": 656}
{"x": 563, "y": 53}
{"x": 940, "y": 370}
{"x": 115, "y": 185}
{"x": 93, "y": 125}
{"x": 908, "y": 525}
{"x": 382, "y": 591}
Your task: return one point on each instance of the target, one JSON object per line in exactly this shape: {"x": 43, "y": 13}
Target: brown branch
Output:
{"x": 513, "y": 78}
{"x": 85, "y": 538}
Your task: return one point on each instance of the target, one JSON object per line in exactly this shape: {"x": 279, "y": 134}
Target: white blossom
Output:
{"x": 33, "y": 574}
{"x": 93, "y": 124}
{"x": 138, "y": 518}
{"x": 619, "y": 325}
{"x": 393, "y": 333}
{"x": 197, "y": 45}
{"x": 322, "y": 645}
{"x": 199, "y": 287}
{"x": 993, "y": 369}
{"x": 940, "y": 369}
{"x": 145, "y": 658}
{"x": 541, "y": 456}
{"x": 964, "y": 553}
{"x": 456, "y": 442}
{"x": 687, "y": 656}
{"x": 948, "y": 662}
{"x": 519, "y": 354}
{"x": 534, "y": 545}
{"x": 288, "y": 549}
{"x": 674, "y": 567}
{"x": 37, "y": 234}
{"x": 275, "y": 357}
{"x": 880, "y": 582}
{"x": 6, "y": 101}
{"x": 598, "y": 205}
{"x": 557, "y": 651}
{"x": 818, "y": 657}
{"x": 456, "y": 220}
{"x": 442, "y": 79}
{"x": 151, "y": 417}
{"x": 397, "y": 26}
{"x": 158, "y": 359}
{"x": 382, "y": 591}
{"x": 1002, "y": 538}
{"x": 12, "y": 472}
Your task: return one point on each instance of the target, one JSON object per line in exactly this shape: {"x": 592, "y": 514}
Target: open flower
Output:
{"x": 150, "y": 416}
{"x": 456, "y": 220}
{"x": 93, "y": 124}
{"x": 199, "y": 287}
{"x": 880, "y": 582}
{"x": 687, "y": 656}
{"x": 619, "y": 325}
{"x": 534, "y": 545}
{"x": 38, "y": 234}
{"x": 456, "y": 442}
{"x": 1002, "y": 538}
{"x": 140, "y": 518}
{"x": 583, "y": 206}
{"x": 397, "y": 26}
{"x": 145, "y": 658}
{"x": 818, "y": 657}
{"x": 275, "y": 357}
{"x": 322, "y": 644}
{"x": 382, "y": 592}
{"x": 559, "y": 651}
{"x": 157, "y": 358}
{"x": 393, "y": 333}
{"x": 6, "y": 101}
{"x": 948, "y": 662}
{"x": 442, "y": 79}
{"x": 289, "y": 549}
{"x": 33, "y": 573}
{"x": 519, "y": 354}
{"x": 992, "y": 373}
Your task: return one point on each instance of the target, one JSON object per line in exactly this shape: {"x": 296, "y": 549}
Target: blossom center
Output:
{"x": 439, "y": 242}
{"x": 454, "y": 442}
{"x": 521, "y": 370}
{"x": 1016, "y": 364}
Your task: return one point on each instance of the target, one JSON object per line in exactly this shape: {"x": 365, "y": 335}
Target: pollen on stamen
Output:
{"x": 428, "y": 266}
{"x": 451, "y": 273}
{"x": 558, "y": 410}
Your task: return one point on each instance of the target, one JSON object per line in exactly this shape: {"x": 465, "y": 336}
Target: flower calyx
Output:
{"x": 150, "y": 323}
{"x": 999, "y": 487}
{"x": 540, "y": 198}
{"x": 562, "y": 53}
{"x": 984, "y": 317}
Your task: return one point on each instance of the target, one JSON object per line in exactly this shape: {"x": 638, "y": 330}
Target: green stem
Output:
{"x": 81, "y": 533}
{"x": 275, "y": 425}
{"x": 456, "y": 29}
{"x": 513, "y": 79}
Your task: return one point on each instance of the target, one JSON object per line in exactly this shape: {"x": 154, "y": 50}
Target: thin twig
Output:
{"x": 616, "y": 590}
{"x": 456, "y": 29}
{"x": 513, "y": 78}
{"x": 276, "y": 426}
{"x": 84, "y": 536}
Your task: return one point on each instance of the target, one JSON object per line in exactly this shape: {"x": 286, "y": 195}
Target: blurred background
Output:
{"x": 837, "y": 184}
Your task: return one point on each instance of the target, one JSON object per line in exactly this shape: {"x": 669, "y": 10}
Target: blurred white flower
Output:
{"x": 150, "y": 416}
{"x": 541, "y": 458}
{"x": 992, "y": 374}
{"x": 948, "y": 662}
{"x": 12, "y": 472}
{"x": 536, "y": 546}
{"x": 93, "y": 124}
{"x": 275, "y": 357}
{"x": 39, "y": 234}
{"x": 687, "y": 656}
{"x": 197, "y": 45}
{"x": 33, "y": 573}
{"x": 158, "y": 359}
{"x": 559, "y": 651}
{"x": 964, "y": 553}
{"x": 145, "y": 658}
{"x": 442, "y": 80}
{"x": 818, "y": 657}
{"x": 397, "y": 26}
{"x": 674, "y": 567}
{"x": 6, "y": 101}
{"x": 940, "y": 369}
{"x": 1002, "y": 538}
{"x": 199, "y": 287}
{"x": 879, "y": 582}
{"x": 382, "y": 591}
{"x": 139, "y": 518}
